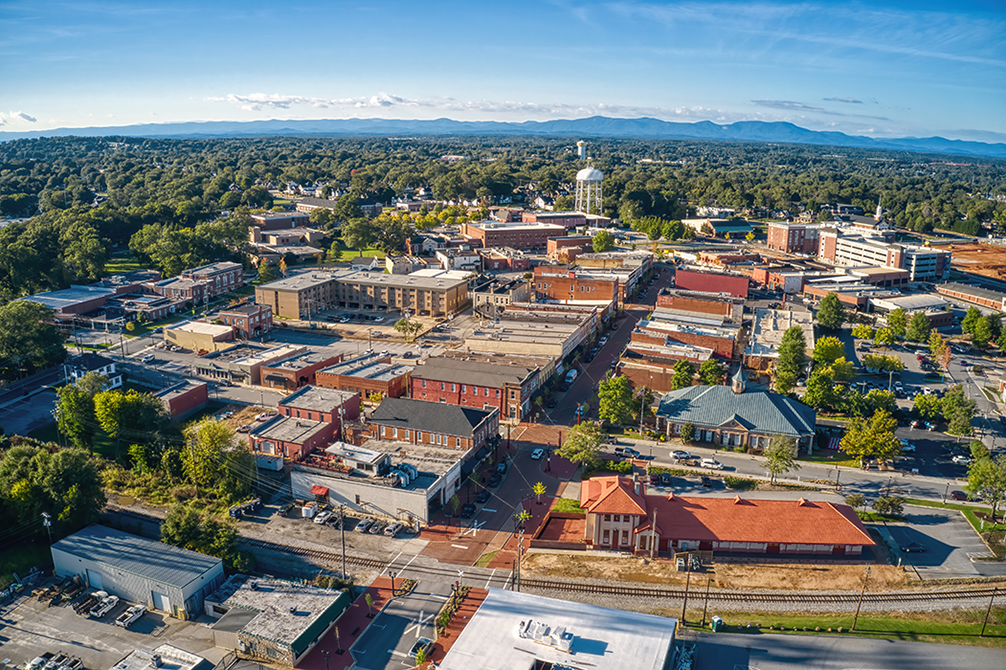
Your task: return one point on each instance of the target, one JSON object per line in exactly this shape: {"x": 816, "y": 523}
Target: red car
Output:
{"x": 958, "y": 495}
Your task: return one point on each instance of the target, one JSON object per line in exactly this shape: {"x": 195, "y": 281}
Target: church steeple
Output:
{"x": 739, "y": 383}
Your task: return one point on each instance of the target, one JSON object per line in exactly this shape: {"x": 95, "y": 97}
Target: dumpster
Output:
{"x": 717, "y": 624}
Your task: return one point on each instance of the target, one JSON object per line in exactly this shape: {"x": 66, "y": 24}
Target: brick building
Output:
{"x": 367, "y": 374}
{"x": 767, "y": 330}
{"x": 711, "y": 282}
{"x": 664, "y": 328}
{"x": 697, "y": 303}
{"x": 184, "y": 290}
{"x": 308, "y": 421}
{"x": 276, "y": 221}
{"x": 321, "y": 404}
{"x": 565, "y": 219}
{"x": 184, "y": 398}
{"x": 439, "y": 424}
{"x": 517, "y": 235}
{"x": 249, "y": 320}
{"x": 495, "y": 296}
{"x": 801, "y": 238}
{"x": 506, "y": 260}
{"x": 296, "y": 371}
{"x": 220, "y": 278}
{"x": 564, "y": 283}
{"x": 568, "y": 247}
{"x": 471, "y": 383}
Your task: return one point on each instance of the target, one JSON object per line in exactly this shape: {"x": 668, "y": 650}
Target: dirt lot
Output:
{"x": 796, "y": 576}
{"x": 983, "y": 259}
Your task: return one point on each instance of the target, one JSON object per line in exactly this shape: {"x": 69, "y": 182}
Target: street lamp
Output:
{"x": 393, "y": 575}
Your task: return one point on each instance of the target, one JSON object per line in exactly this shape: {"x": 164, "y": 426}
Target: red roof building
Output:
{"x": 712, "y": 282}
{"x": 620, "y": 515}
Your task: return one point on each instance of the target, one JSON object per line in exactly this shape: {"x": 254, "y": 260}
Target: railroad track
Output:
{"x": 502, "y": 579}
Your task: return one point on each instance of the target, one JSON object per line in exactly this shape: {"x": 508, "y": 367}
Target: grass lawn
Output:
{"x": 103, "y": 444}
{"x": 121, "y": 265}
{"x": 828, "y": 457}
{"x": 484, "y": 559}
{"x": 142, "y": 329}
{"x": 947, "y": 627}
{"x": 350, "y": 254}
{"x": 568, "y": 505}
{"x": 23, "y": 557}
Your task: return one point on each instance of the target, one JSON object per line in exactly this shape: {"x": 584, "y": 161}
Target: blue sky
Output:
{"x": 898, "y": 68}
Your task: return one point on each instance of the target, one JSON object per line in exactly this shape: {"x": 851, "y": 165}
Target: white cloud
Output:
{"x": 16, "y": 118}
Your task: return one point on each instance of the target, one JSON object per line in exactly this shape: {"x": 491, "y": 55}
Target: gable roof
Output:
{"x": 611, "y": 495}
{"x": 435, "y": 417}
{"x": 759, "y": 411}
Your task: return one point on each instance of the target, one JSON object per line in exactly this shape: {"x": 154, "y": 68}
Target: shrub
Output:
{"x": 688, "y": 433}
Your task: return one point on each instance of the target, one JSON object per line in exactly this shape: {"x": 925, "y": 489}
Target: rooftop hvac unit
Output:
{"x": 155, "y": 660}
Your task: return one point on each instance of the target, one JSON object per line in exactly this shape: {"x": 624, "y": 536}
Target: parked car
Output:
{"x": 377, "y": 527}
{"x": 495, "y": 480}
{"x": 537, "y": 454}
{"x": 681, "y": 455}
{"x": 244, "y": 429}
{"x": 501, "y": 468}
{"x": 912, "y": 547}
{"x": 282, "y": 511}
{"x": 626, "y": 452}
{"x": 906, "y": 446}
{"x": 424, "y": 644}
{"x": 961, "y": 459}
{"x": 707, "y": 482}
{"x": 604, "y": 340}
{"x": 711, "y": 463}
{"x": 958, "y": 495}
{"x": 322, "y": 518}
{"x": 553, "y": 402}
{"x": 483, "y": 496}
{"x": 364, "y": 525}
{"x": 393, "y": 528}
{"x": 665, "y": 478}
{"x": 467, "y": 511}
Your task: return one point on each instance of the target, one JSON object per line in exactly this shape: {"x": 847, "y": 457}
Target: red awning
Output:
{"x": 317, "y": 490}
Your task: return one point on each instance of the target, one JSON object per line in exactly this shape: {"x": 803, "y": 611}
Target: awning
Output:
{"x": 318, "y": 490}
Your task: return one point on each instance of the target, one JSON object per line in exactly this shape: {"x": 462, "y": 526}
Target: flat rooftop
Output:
{"x": 317, "y": 398}
{"x": 301, "y": 282}
{"x": 268, "y": 355}
{"x": 442, "y": 279}
{"x": 172, "y": 658}
{"x": 911, "y": 303}
{"x": 301, "y": 361}
{"x": 69, "y": 297}
{"x": 976, "y": 291}
{"x": 599, "y": 638}
{"x": 439, "y": 272}
{"x": 272, "y": 599}
{"x": 237, "y": 352}
{"x": 518, "y": 225}
{"x": 203, "y": 328}
{"x": 247, "y": 308}
{"x": 770, "y": 325}
{"x": 178, "y": 389}
{"x": 289, "y": 429}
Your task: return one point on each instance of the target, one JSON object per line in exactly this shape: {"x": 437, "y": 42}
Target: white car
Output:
{"x": 962, "y": 460}
{"x": 907, "y": 446}
{"x": 322, "y": 518}
{"x": 537, "y": 454}
{"x": 711, "y": 463}
{"x": 681, "y": 455}
{"x": 604, "y": 341}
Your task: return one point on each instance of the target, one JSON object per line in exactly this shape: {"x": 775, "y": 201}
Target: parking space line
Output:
{"x": 488, "y": 581}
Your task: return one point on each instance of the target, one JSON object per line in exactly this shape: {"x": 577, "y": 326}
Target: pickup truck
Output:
{"x": 39, "y": 662}
{"x": 130, "y": 616}
{"x": 104, "y": 607}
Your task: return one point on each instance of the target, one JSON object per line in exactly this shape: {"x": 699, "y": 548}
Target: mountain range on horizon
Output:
{"x": 595, "y": 126}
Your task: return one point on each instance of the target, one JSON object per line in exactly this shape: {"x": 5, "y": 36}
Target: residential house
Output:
{"x": 78, "y": 366}
{"x": 249, "y": 320}
{"x": 473, "y": 383}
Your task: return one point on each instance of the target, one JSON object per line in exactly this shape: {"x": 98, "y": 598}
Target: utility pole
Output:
{"x": 705, "y": 605}
{"x": 861, "y": 594}
{"x": 989, "y": 610}
{"x": 47, "y": 522}
{"x": 688, "y": 579}
{"x": 342, "y": 531}
{"x": 654, "y": 538}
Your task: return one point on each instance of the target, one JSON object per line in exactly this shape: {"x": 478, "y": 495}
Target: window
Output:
{"x": 463, "y": 389}
{"x": 625, "y": 537}
{"x": 487, "y": 393}
{"x": 607, "y": 517}
{"x": 454, "y": 387}
{"x": 475, "y": 390}
{"x": 606, "y": 537}
{"x": 424, "y": 383}
{"x": 618, "y": 518}
{"x": 442, "y": 386}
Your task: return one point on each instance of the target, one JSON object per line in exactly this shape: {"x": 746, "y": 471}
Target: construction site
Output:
{"x": 988, "y": 260}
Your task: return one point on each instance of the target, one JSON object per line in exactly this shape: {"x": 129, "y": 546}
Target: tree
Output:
{"x": 970, "y": 320}
{"x": 820, "y": 393}
{"x": 831, "y": 314}
{"x": 75, "y": 409}
{"x": 135, "y": 416}
{"x": 937, "y": 346}
{"x": 897, "y": 321}
{"x": 408, "y": 327}
{"x": 28, "y": 340}
{"x": 982, "y": 332}
{"x": 583, "y": 443}
{"x": 359, "y": 234}
{"x": 750, "y": 236}
{"x": 682, "y": 377}
{"x": 872, "y": 437}
{"x": 978, "y": 450}
{"x": 265, "y": 272}
{"x": 712, "y": 373}
{"x": 538, "y": 489}
{"x": 928, "y": 406}
{"x": 844, "y": 370}
{"x": 855, "y": 500}
{"x": 878, "y": 399}
{"x": 918, "y": 328}
{"x": 827, "y": 350}
{"x": 958, "y": 410}
{"x": 987, "y": 480}
{"x": 603, "y": 241}
{"x": 792, "y": 356}
{"x": 863, "y": 332}
{"x": 882, "y": 363}
{"x": 212, "y": 459}
{"x": 688, "y": 433}
{"x": 889, "y": 506}
{"x": 615, "y": 400}
{"x": 883, "y": 337}
{"x": 780, "y": 456}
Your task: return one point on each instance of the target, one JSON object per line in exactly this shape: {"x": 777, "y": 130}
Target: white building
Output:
{"x": 75, "y": 369}
{"x": 139, "y": 570}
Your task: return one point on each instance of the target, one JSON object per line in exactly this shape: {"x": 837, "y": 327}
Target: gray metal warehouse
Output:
{"x": 139, "y": 570}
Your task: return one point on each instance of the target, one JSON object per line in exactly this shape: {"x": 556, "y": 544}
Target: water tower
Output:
{"x": 588, "y": 190}
{"x": 581, "y": 150}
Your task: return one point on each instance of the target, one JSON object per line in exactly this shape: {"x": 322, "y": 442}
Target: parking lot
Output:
{"x": 945, "y": 545}
{"x": 33, "y": 628}
{"x": 386, "y": 644}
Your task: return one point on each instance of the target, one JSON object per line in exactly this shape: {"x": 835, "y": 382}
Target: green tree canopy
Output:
{"x": 711, "y": 373}
{"x": 884, "y": 337}
{"x": 987, "y": 480}
{"x": 603, "y": 241}
{"x": 683, "y": 373}
{"x": 897, "y": 321}
{"x": 186, "y": 527}
{"x": 820, "y": 392}
{"x": 831, "y": 314}
{"x": 75, "y": 409}
{"x": 213, "y": 459}
{"x": 28, "y": 340}
{"x": 828, "y": 349}
{"x": 780, "y": 456}
{"x": 918, "y": 328}
{"x": 792, "y": 357}
{"x": 408, "y": 327}
{"x": 958, "y": 410}
{"x": 970, "y": 320}
{"x": 132, "y": 415}
{"x": 615, "y": 400}
{"x": 359, "y": 233}
{"x": 872, "y": 437}
{"x": 862, "y": 332}
{"x": 982, "y": 332}
{"x": 582, "y": 444}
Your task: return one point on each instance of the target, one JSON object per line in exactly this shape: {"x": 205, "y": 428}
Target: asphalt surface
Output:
{"x": 731, "y": 651}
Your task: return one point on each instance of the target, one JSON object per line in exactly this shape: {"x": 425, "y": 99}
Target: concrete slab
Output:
{"x": 949, "y": 540}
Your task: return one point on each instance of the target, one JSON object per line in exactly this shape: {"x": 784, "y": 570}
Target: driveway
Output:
{"x": 949, "y": 541}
